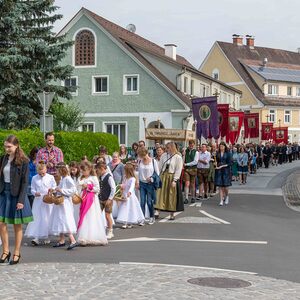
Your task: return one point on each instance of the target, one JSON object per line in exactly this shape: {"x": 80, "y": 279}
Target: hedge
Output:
{"x": 73, "y": 144}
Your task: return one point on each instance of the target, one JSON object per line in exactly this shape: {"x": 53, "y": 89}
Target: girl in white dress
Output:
{"x": 40, "y": 185}
{"x": 91, "y": 227}
{"x": 62, "y": 217}
{"x": 130, "y": 211}
{"x": 75, "y": 173}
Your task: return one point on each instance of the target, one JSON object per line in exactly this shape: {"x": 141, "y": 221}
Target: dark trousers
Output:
{"x": 148, "y": 195}
{"x": 266, "y": 161}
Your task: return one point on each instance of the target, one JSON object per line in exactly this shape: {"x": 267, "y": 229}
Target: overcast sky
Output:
{"x": 194, "y": 25}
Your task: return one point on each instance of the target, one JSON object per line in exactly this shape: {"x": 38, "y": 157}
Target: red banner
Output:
{"x": 251, "y": 125}
{"x": 266, "y": 131}
{"x": 280, "y": 135}
{"x": 223, "y": 111}
{"x": 235, "y": 122}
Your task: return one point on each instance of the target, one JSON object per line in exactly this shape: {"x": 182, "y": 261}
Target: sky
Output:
{"x": 194, "y": 25}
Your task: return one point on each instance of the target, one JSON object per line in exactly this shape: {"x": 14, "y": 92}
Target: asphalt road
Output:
{"x": 264, "y": 237}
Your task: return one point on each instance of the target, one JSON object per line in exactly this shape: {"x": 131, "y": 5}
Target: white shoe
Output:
{"x": 221, "y": 203}
{"x": 47, "y": 242}
{"x": 142, "y": 224}
{"x": 35, "y": 242}
{"x": 151, "y": 221}
{"x": 226, "y": 200}
{"x": 110, "y": 234}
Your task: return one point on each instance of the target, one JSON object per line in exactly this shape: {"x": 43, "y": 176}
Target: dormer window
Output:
{"x": 216, "y": 74}
{"x": 85, "y": 48}
{"x": 272, "y": 89}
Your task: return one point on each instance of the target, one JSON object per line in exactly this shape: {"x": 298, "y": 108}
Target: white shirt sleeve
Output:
{"x": 194, "y": 162}
{"x": 112, "y": 184}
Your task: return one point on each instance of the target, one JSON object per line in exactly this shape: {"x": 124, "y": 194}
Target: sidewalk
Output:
{"x": 133, "y": 281}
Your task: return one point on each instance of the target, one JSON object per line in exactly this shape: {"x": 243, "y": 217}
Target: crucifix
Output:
{"x": 216, "y": 93}
{"x": 267, "y": 116}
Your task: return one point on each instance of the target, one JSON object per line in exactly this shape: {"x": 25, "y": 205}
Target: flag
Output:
{"x": 251, "y": 125}
{"x": 280, "y": 135}
{"x": 266, "y": 131}
{"x": 235, "y": 122}
{"x": 205, "y": 112}
{"x": 223, "y": 110}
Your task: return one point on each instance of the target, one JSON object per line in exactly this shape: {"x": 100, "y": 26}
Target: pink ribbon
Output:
{"x": 87, "y": 201}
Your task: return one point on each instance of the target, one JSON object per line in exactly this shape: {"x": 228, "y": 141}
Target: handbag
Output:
{"x": 156, "y": 179}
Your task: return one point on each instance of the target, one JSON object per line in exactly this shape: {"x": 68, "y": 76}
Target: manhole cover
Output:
{"x": 220, "y": 282}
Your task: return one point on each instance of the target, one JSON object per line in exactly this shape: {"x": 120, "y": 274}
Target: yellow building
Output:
{"x": 268, "y": 78}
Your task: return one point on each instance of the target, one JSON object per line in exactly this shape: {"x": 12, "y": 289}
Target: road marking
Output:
{"x": 184, "y": 266}
{"x": 193, "y": 204}
{"x": 199, "y": 204}
{"x": 146, "y": 239}
{"x": 213, "y": 217}
{"x": 166, "y": 219}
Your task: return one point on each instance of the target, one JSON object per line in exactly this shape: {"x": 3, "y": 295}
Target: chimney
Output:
{"x": 250, "y": 41}
{"x": 170, "y": 50}
{"x": 237, "y": 39}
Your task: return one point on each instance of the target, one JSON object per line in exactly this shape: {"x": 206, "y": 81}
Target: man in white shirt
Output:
{"x": 203, "y": 169}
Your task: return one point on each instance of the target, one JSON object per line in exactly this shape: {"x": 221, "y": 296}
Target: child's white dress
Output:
{"x": 41, "y": 211}
{"x": 62, "y": 216}
{"x": 130, "y": 211}
{"x": 76, "y": 207}
{"x": 92, "y": 229}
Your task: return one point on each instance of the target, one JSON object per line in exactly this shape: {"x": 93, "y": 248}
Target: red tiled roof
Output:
{"x": 241, "y": 56}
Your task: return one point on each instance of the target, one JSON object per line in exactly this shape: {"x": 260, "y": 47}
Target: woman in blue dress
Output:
{"x": 223, "y": 172}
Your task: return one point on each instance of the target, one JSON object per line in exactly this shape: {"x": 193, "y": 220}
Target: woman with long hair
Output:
{"x": 123, "y": 153}
{"x": 14, "y": 204}
{"x": 169, "y": 197}
{"x": 223, "y": 172}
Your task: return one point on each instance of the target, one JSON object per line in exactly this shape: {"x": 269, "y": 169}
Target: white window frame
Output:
{"x": 273, "y": 86}
{"x": 290, "y": 116}
{"x": 73, "y": 48}
{"x": 215, "y": 72}
{"x": 94, "y": 93}
{"x": 298, "y": 90}
{"x": 185, "y": 84}
{"x": 125, "y": 92}
{"x": 192, "y": 87}
{"x": 77, "y": 84}
{"x": 104, "y": 128}
{"x": 88, "y": 123}
{"x": 275, "y": 115}
{"x": 287, "y": 88}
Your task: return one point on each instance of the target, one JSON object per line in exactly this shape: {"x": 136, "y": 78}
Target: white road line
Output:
{"x": 199, "y": 204}
{"x": 145, "y": 239}
{"x": 167, "y": 218}
{"x": 213, "y": 217}
{"x": 193, "y": 204}
{"x": 184, "y": 266}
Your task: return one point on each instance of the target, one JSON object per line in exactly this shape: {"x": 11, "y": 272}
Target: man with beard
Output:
{"x": 50, "y": 154}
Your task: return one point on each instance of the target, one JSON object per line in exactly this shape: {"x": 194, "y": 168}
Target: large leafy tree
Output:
{"x": 30, "y": 60}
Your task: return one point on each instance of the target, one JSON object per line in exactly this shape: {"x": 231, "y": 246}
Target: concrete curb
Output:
{"x": 291, "y": 192}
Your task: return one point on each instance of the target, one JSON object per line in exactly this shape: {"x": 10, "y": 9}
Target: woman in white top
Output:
{"x": 170, "y": 196}
{"x": 146, "y": 168}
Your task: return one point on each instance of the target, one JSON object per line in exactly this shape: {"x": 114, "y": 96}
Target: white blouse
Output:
{"x": 175, "y": 164}
{"x": 146, "y": 171}
{"x": 6, "y": 172}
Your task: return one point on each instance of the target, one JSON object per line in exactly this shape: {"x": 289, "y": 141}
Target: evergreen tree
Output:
{"x": 30, "y": 56}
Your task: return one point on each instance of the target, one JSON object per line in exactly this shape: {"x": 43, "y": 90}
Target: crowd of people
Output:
{"x": 84, "y": 200}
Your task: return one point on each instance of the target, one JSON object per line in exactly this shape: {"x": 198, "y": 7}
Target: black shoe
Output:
{"x": 58, "y": 245}
{"x": 186, "y": 201}
{"x": 156, "y": 217}
{"x": 172, "y": 218}
{"x": 205, "y": 197}
{"x": 14, "y": 262}
{"x": 72, "y": 246}
{"x": 193, "y": 200}
{"x": 34, "y": 243}
{"x": 5, "y": 258}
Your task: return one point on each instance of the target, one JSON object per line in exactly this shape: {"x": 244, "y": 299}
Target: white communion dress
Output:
{"x": 39, "y": 228}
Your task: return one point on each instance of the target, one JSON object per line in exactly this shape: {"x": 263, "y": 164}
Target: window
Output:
{"x": 272, "y": 89}
{"x": 100, "y": 85}
{"x": 202, "y": 90}
{"x": 287, "y": 116}
{"x": 71, "y": 83}
{"x": 289, "y": 91}
{"x": 298, "y": 92}
{"x": 216, "y": 74}
{"x": 192, "y": 87}
{"x": 117, "y": 129}
{"x": 131, "y": 84}
{"x": 85, "y": 48}
{"x": 272, "y": 116}
{"x": 185, "y": 83}
{"x": 88, "y": 127}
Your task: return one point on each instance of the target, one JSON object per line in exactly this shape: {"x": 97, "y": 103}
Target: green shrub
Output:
{"x": 73, "y": 144}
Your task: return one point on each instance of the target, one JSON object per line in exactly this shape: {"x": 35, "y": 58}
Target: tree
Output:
{"x": 30, "y": 56}
{"x": 66, "y": 116}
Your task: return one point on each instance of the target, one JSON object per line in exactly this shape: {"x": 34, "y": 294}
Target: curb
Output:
{"x": 290, "y": 191}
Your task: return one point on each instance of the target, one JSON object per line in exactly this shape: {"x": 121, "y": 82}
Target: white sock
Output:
{"x": 186, "y": 192}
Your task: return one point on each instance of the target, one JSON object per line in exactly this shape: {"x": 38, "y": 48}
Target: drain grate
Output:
{"x": 220, "y": 282}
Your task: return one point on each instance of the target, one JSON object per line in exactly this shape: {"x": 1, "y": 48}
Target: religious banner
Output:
{"x": 266, "y": 131}
{"x": 235, "y": 122}
{"x": 280, "y": 135}
{"x": 223, "y": 111}
{"x": 169, "y": 134}
{"x": 205, "y": 112}
{"x": 251, "y": 125}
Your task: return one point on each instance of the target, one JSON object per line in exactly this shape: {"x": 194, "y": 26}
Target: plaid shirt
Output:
{"x": 54, "y": 156}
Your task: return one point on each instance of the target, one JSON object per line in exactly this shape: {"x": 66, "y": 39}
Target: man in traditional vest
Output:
{"x": 190, "y": 171}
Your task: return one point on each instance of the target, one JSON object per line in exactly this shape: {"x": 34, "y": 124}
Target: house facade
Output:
{"x": 268, "y": 78}
{"x": 125, "y": 83}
